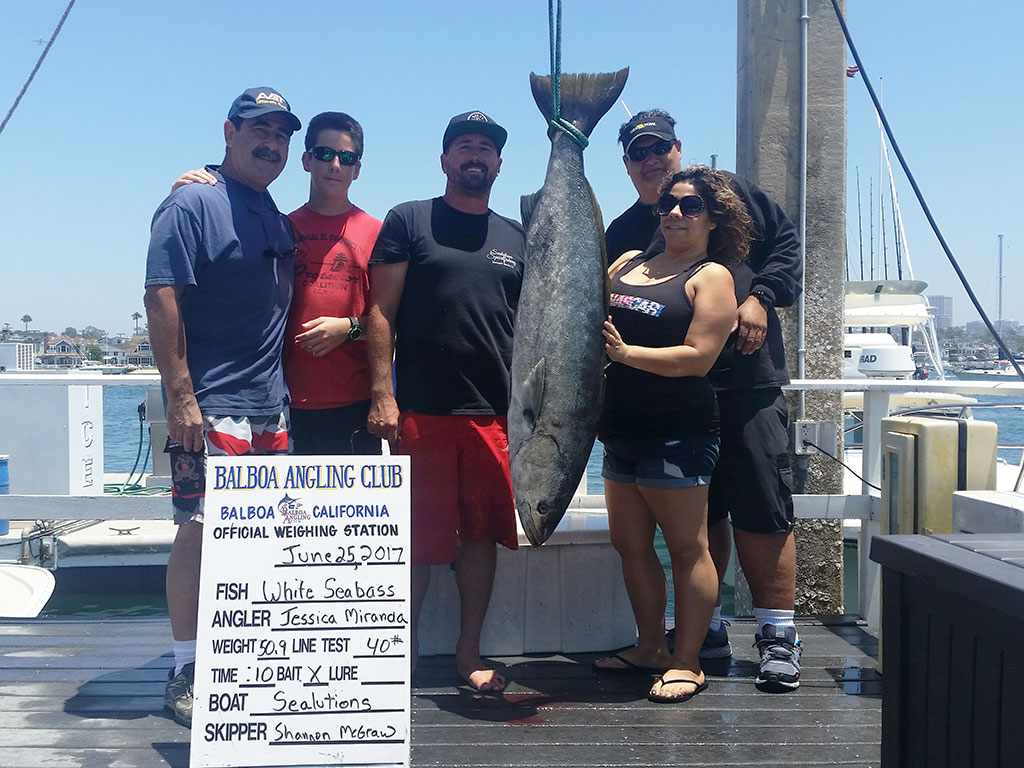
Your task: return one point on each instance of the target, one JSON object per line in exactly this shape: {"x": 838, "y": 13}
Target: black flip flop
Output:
{"x": 627, "y": 668}
{"x": 484, "y": 691}
{"x": 680, "y": 698}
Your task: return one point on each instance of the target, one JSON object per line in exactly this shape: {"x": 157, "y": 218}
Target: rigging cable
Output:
{"x": 35, "y": 69}
{"x": 920, "y": 196}
{"x": 555, "y": 42}
{"x": 881, "y": 229}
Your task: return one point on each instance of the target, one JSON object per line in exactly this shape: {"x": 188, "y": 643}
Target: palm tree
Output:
{"x": 136, "y": 317}
{"x": 26, "y": 319}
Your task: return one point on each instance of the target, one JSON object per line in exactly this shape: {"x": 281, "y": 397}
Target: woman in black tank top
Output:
{"x": 671, "y": 313}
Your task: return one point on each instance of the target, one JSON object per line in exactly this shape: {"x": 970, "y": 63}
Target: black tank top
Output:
{"x": 639, "y": 404}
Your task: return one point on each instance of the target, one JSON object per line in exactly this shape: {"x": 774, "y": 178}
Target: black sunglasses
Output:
{"x": 639, "y": 154}
{"x": 326, "y": 154}
{"x": 691, "y": 206}
{"x": 279, "y": 236}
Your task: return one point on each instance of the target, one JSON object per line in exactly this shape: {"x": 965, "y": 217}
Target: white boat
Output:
{"x": 882, "y": 318}
{"x": 92, "y": 366}
{"x": 875, "y": 313}
{"x": 24, "y": 590}
{"x": 1003, "y": 372}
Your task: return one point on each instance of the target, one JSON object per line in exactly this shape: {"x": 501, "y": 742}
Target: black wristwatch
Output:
{"x": 764, "y": 297}
{"x": 355, "y": 331}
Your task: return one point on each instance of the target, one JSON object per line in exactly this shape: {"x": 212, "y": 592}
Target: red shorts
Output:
{"x": 462, "y": 488}
{"x": 225, "y": 436}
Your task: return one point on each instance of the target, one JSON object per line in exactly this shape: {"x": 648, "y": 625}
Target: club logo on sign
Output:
{"x": 291, "y": 509}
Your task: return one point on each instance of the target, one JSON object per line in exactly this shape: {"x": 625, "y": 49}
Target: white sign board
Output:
{"x": 303, "y": 649}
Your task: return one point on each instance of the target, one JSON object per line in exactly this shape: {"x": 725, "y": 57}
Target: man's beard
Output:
{"x": 475, "y": 184}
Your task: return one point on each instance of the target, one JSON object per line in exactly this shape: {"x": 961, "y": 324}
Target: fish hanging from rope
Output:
{"x": 558, "y": 351}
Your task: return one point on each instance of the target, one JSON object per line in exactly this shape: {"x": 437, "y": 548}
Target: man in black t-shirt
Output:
{"x": 752, "y": 482}
{"x": 445, "y": 276}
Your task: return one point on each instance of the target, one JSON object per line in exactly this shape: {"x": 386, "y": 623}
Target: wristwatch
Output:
{"x": 764, "y": 297}
{"x": 355, "y": 331}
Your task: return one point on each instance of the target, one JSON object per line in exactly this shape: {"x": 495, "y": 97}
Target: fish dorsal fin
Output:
{"x": 533, "y": 393}
{"x": 527, "y": 205}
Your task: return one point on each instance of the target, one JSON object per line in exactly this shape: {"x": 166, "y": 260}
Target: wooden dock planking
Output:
{"x": 88, "y": 693}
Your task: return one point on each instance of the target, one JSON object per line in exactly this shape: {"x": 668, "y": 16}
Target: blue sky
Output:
{"x": 133, "y": 93}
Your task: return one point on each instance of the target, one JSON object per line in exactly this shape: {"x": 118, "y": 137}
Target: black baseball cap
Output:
{"x": 256, "y": 102}
{"x": 474, "y": 122}
{"x": 651, "y": 126}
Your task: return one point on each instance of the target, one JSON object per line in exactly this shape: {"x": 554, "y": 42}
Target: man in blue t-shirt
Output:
{"x": 219, "y": 276}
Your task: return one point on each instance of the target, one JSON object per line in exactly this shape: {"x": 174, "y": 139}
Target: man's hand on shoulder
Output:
{"x": 197, "y": 176}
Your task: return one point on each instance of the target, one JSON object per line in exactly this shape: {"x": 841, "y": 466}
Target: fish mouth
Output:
{"x": 533, "y": 478}
{"x": 535, "y": 525}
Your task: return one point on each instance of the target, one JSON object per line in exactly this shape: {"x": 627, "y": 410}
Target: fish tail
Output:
{"x": 585, "y": 98}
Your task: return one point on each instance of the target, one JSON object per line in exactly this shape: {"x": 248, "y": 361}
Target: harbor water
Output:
{"x": 127, "y": 450}
{"x": 5, "y": 488}
{"x": 125, "y": 437}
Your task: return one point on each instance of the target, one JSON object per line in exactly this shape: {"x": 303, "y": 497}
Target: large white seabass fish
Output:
{"x": 558, "y": 350}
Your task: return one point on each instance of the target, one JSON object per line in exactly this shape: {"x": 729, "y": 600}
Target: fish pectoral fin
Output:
{"x": 527, "y": 205}
{"x": 533, "y": 393}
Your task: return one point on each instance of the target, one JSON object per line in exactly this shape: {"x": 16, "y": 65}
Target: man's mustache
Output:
{"x": 266, "y": 153}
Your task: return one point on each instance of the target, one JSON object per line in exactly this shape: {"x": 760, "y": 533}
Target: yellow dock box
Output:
{"x": 926, "y": 459}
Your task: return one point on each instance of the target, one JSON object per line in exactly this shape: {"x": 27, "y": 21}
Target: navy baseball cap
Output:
{"x": 474, "y": 122}
{"x": 652, "y": 126}
{"x": 256, "y": 102}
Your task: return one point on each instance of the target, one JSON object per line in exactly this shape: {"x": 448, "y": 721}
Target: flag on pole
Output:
{"x": 852, "y": 71}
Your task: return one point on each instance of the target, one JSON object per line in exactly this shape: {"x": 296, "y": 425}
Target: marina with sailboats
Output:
{"x": 83, "y": 684}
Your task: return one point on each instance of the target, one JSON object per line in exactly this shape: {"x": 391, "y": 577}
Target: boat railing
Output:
{"x": 866, "y": 506}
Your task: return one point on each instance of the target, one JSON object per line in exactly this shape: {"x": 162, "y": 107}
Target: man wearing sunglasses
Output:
{"x": 219, "y": 277}
{"x": 445, "y": 277}
{"x": 752, "y": 482}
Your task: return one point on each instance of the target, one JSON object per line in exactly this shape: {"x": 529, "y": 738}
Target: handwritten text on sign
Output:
{"x": 302, "y": 657}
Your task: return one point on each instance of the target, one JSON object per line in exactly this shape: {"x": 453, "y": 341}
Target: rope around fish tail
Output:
{"x": 555, "y": 45}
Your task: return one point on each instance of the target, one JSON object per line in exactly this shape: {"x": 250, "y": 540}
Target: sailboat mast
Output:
{"x": 860, "y": 227}
{"x": 881, "y": 160}
{"x": 871, "y": 228}
{"x": 999, "y": 322}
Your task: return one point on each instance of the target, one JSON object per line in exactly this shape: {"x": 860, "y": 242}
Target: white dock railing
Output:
{"x": 865, "y": 506}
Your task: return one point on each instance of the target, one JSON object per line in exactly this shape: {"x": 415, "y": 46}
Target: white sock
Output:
{"x": 779, "y": 618}
{"x": 716, "y": 619}
{"x": 184, "y": 653}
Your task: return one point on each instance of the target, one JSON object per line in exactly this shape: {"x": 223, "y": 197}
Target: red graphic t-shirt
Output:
{"x": 330, "y": 280}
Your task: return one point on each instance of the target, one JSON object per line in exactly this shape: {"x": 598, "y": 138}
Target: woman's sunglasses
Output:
{"x": 691, "y": 206}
